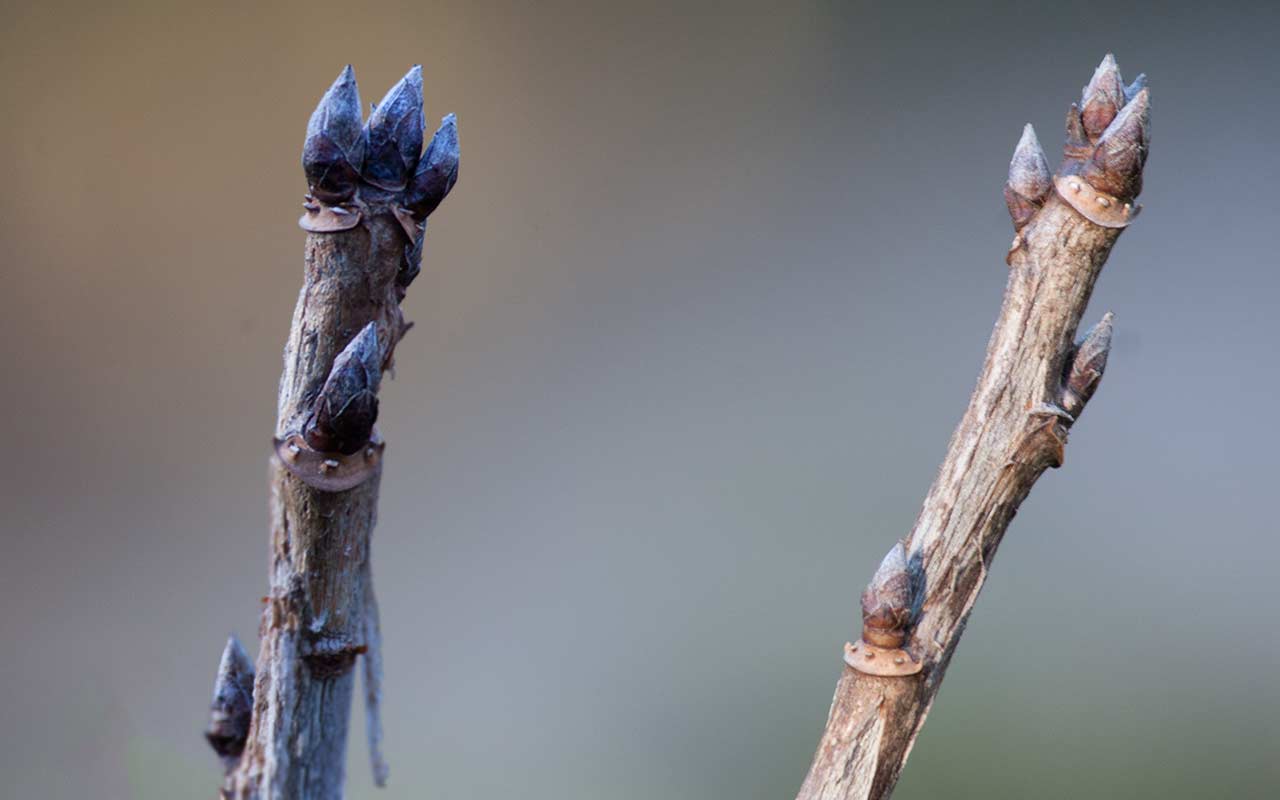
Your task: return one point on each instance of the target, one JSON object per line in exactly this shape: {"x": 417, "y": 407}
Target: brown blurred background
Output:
{"x": 692, "y": 333}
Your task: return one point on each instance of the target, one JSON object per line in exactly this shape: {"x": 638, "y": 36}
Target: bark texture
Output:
{"x": 1013, "y": 430}
{"x": 362, "y": 251}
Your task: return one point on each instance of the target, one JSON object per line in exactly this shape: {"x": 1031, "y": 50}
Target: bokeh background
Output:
{"x": 692, "y": 334}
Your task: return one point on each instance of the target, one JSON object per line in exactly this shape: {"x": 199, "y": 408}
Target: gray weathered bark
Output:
{"x": 1033, "y": 385}
{"x": 370, "y": 194}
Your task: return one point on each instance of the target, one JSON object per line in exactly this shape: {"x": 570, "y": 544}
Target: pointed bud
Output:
{"x": 334, "y": 148}
{"x": 1087, "y": 366}
{"x": 232, "y": 708}
{"x": 437, "y": 171}
{"x": 1029, "y": 179}
{"x": 347, "y": 406}
{"x": 887, "y": 602}
{"x": 1076, "y": 135}
{"x": 410, "y": 265}
{"x": 395, "y": 134}
{"x": 1139, "y": 83}
{"x": 1102, "y": 98}
{"x": 1115, "y": 166}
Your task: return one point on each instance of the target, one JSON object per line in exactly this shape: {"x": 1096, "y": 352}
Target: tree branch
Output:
{"x": 1033, "y": 386}
{"x": 370, "y": 194}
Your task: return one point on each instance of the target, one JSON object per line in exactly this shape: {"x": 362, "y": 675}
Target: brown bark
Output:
{"x": 1014, "y": 429}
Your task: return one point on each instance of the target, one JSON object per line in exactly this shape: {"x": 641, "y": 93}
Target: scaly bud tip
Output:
{"x": 395, "y": 134}
{"x": 347, "y": 406}
{"x": 887, "y": 601}
{"x": 334, "y": 148}
{"x": 232, "y": 708}
{"x": 1087, "y": 366}
{"x": 437, "y": 171}
{"x": 1101, "y": 100}
{"x": 1029, "y": 178}
{"x": 1115, "y": 165}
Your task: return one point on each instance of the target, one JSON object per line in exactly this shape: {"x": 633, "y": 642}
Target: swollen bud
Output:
{"x": 1115, "y": 166}
{"x": 1102, "y": 98}
{"x": 1090, "y": 361}
{"x": 437, "y": 170}
{"x": 335, "y": 146}
{"x": 1029, "y": 179}
{"x": 887, "y": 601}
{"x": 347, "y": 406}
{"x": 395, "y": 134}
{"x": 232, "y": 708}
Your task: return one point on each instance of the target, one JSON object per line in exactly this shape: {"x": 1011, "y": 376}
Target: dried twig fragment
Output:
{"x": 1033, "y": 385}
{"x": 363, "y": 247}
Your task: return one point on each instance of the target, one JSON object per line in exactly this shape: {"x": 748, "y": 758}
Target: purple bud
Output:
{"x": 437, "y": 171}
{"x": 231, "y": 711}
{"x": 394, "y": 131}
{"x": 347, "y": 406}
{"x": 335, "y": 146}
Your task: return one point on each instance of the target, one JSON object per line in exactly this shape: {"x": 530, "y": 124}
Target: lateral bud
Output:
{"x": 410, "y": 265}
{"x": 1115, "y": 165}
{"x": 232, "y": 708}
{"x": 1139, "y": 83}
{"x": 1087, "y": 366}
{"x": 1029, "y": 179}
{"x": 886, "y": 602}
{"x": 347, "y": 406}
{"x": 394, "y": 131}
{"x": 1102, "y": 99}
{"x": 890, "y": 605}
{"x": 335, "y": 145}
{"x": 437, "y": 170}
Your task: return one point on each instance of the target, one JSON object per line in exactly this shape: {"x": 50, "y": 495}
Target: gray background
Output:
{"x": 691, "y": 336}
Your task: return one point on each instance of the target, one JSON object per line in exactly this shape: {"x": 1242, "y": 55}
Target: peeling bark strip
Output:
{"x": 1033, "y": 386}
{"x": 369, "y": 197}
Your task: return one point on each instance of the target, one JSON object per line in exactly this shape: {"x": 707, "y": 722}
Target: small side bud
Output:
{"x": 887, "y": 602}
{"x": 232, "y": 708}
{"x": 395, "y": 134}
{"x": 347, "y": 406}
{"x": 1086, "y": 368}
{"x": 334, "y": 149}
{"x": 1115, "y": 166}
{"x": 1102, "y": 99}
{"x": 1029, "y": 179}
{"x": 1077, "y": 138}
{"x": 1139, "y": 83}
{"x": 437, "y": 170}
{"x": 410, "y": 265}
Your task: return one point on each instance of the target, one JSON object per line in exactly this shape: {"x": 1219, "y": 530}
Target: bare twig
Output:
{"x": 370, "y": 194}
{"x": 1033, "y": 386}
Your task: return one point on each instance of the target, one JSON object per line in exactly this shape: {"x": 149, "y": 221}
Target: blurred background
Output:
{"x": 692, "y": 334}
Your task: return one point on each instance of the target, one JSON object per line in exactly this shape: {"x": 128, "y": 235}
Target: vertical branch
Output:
{"x": 369, "y": 196}
{"x": 1033, "y": 386}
